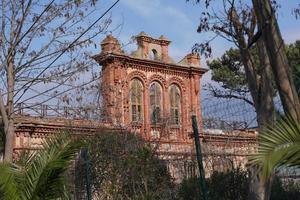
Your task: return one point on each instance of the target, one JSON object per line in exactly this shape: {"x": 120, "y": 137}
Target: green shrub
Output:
{"x": 286, "y": 190}
{"x": 123, "y": 166}
{"x": 228, "y": 185}
{"x": 235, "y": 185}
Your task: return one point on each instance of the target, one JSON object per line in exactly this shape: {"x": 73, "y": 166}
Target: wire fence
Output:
{"x": 227, "y": 114}
{"x": 230, "y": 114}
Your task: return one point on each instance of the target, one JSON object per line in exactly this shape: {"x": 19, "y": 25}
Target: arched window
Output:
{"x": 174, "y": 94}
{"x": 136, "y": 100}
{"x": 155, "y": 102}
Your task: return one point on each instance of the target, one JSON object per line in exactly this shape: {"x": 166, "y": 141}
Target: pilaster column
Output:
{"x": 146, "y": 108}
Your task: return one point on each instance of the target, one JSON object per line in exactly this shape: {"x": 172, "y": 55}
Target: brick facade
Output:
{"x": 119, "y": 69}
{"x": 149, "y": 64}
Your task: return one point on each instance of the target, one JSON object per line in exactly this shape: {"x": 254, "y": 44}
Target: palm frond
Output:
{"x": 11, "y": 175}
{"x": 46, "y": 171}
{"x": 279, "y": 146}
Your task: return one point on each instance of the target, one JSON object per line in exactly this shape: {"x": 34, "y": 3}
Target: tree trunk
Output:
{"x": 260, "y": 85}
{"x": 9, "y": 142}
{"x": 276, "y": 51}
{"x": 9, "y": 130}
{"x": 262, "y": 95}
{"x": 265, "y": 107}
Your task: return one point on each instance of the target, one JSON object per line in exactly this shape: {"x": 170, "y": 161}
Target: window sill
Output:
{"x": 177, "y": 126}
{"x": 156, "y": 125}
{"x": 136, "y": 123}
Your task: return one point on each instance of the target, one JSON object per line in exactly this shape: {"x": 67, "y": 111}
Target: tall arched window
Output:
{"x": 136, "y": 100}
{"x": 155, "y": 102}
{"x": 174, "y": 94}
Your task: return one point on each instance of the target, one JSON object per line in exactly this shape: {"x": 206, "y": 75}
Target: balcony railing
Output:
{"x": 68, "y": 112}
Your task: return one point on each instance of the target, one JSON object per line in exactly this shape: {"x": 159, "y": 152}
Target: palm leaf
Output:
{"x": 46, "y": 168}
{"x": 279, "y": 146}
{"x": 40, "y": 174}
{"x": 11, "y": 176}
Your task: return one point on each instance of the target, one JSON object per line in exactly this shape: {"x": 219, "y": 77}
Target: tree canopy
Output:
{"x": 228, "y": 70}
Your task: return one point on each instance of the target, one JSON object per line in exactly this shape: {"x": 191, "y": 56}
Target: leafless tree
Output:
{"x": 236, "y": 22}
{"x": 34, "y": 34}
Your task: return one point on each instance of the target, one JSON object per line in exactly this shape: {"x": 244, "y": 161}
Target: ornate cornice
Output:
{"x": 152, "y": 64}
{"x": 149, "y": 39}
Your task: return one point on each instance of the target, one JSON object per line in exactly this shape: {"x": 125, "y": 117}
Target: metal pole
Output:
{"x": 199, "y": 158}
{"x": 87, "y": 174}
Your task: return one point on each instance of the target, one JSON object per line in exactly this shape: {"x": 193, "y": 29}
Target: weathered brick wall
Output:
{"x": 175, "y": 146}
{"x": 220, "y": 151}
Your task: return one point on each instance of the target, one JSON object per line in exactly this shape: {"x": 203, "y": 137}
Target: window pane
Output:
{"x": 155, "y": 114}
{"x": 155, "y": 102}
{"x": 139, "y": 114}
{"x": 174, "y": 95}
{"x": 176, "y": 116}
{"x": 136, "y": 100}
{"x": 133, "y": 111}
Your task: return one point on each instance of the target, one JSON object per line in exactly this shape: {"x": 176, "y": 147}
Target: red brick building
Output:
{"x": 151, "y": 95}
{"x": 147, "y": 89}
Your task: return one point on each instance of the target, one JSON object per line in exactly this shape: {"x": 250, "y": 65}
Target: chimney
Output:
{"x": 110, "y": 45}
{"x": 165, "y": 48}
{"x": 193, "y": 60}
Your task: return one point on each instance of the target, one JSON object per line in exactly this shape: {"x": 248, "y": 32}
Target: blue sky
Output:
{"x": 178, "y": 20}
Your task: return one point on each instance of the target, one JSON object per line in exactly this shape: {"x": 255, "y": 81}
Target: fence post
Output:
{"x": 20, "y": 108}
{"x": 87, "y": 173}
{"x": 44, "y": 110}
{"x": 199, "y": 158}
{"x": 66, "y": 111}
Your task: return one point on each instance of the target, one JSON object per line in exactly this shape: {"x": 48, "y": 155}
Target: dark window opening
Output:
{"x": 155, "y": 102}
{"x": 174, "y": 95}
{"x": 136, "y": 100}
{"x": 154, "y": 55}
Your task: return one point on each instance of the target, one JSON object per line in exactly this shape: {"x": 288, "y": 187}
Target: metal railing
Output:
{"x": 68, "y": 112}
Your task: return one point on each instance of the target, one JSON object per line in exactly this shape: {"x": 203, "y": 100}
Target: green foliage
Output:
{"x": 279, "y": 147}
{"x": 40, "y": 174}
{"x": 221, "y": 185}
{"x": 293, "y": 54}
{"x": 285, "y": 190}
{"x": 123, "y": 166}
{"x": 189, "y": 189}
{"x": 235, "y": 185}
{"x": 229, "y": 70}
{"x": 229, "y": 185}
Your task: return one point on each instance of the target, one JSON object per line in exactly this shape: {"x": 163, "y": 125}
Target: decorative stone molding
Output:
{"x": 139, "y": 75}
{"x": 159, "y": 79}
{"x": 178, "y": 81}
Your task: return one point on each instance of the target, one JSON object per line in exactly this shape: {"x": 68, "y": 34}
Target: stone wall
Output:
{"x": 220, "y": 151}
